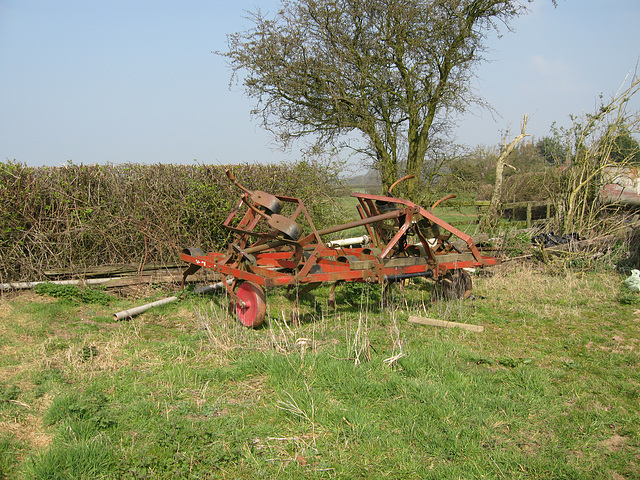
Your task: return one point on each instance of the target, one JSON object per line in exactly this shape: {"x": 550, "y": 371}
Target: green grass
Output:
{"x": 459, "y": 212}
{"x": 551, "y": 389}
{"x": 447, "y": 211}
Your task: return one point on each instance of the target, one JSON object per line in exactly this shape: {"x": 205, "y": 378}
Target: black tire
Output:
{"x": 453, "y": 286}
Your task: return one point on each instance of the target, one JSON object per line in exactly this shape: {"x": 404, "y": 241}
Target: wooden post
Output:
{"x": 529, "y": 215}
{"x": 442, "y": 323}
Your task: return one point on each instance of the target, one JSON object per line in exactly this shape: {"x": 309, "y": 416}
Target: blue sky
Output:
{"x": 97, "y": 81}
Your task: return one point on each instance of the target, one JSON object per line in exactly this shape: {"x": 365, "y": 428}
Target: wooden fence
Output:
{"x": 515, "y": 206}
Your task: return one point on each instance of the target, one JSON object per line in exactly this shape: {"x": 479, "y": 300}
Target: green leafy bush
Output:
{"x": 360, "y": 293}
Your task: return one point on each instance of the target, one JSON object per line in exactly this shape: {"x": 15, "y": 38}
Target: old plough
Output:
{"x": 269, "y": 249}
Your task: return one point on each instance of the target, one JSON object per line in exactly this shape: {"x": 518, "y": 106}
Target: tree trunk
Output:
{"x": 490, "y": 219}
{"x": 418, "y": 143}
{"x": 388, "y": 170}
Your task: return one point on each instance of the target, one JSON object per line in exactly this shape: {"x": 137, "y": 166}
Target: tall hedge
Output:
{"x": 75, "y": 217}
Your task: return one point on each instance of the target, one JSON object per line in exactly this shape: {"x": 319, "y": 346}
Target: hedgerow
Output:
{"x": 76, "y": 217}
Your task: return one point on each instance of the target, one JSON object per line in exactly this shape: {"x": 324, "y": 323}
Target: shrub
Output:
{"x": 76, "y": 217}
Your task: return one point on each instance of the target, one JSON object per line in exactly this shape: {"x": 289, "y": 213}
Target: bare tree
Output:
{"x": 490, "y": 218}
{"x": 392, "y": 70}
{"x": 592, "y": 150}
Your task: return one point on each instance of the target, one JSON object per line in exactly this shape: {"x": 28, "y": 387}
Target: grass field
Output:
{"x": 462, "y": 215}
{"x": 550, "y": 389}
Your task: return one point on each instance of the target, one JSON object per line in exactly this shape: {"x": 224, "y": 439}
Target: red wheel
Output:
{"x": 255, "y": 305}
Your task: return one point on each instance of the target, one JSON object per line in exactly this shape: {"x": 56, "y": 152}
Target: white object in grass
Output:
{"x": 633, "y": 282}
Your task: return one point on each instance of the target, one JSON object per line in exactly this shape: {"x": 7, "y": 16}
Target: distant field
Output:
{"x": 550, "y": 389}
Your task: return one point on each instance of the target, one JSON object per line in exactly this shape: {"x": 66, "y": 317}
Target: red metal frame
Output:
{"x": 264, "y": 256}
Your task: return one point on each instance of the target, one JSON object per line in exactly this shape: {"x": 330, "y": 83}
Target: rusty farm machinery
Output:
{"x": 269, "y": 249}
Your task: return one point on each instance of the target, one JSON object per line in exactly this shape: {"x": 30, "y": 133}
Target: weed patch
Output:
{"x": 73, "y": 293}
{"x": 628, "y": 298}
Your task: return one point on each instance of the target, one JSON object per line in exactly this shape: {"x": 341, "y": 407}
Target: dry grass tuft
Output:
{"x": 30, "y": 429}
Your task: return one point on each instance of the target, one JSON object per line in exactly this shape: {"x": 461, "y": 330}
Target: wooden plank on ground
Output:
{"x": 442, "y": 323}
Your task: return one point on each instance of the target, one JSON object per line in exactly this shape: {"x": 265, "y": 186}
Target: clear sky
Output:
{"x": 97, "y": 81}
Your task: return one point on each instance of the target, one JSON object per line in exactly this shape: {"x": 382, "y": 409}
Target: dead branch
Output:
{"x": 488, "y": 221}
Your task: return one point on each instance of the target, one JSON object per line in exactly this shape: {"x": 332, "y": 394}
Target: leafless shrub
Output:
{"x": 76, "y": 217}
{"x": 591, "y": 144}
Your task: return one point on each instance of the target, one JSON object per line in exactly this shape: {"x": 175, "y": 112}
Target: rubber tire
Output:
{"x": 453, "y": 286}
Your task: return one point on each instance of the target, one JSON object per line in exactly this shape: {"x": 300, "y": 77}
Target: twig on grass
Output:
{"x": 391, "y": 360}
{"x": 293, "y": 408}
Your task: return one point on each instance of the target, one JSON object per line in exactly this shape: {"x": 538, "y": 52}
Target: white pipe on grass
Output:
{"x": 143, "y": 308}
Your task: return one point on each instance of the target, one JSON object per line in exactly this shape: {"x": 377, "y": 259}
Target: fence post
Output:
{"x": 528, "y": 214}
